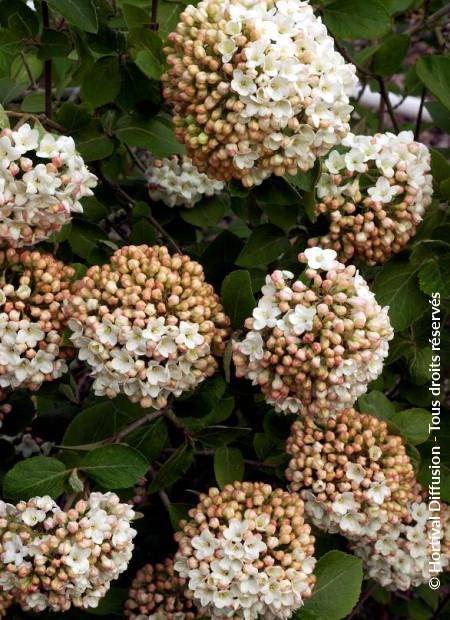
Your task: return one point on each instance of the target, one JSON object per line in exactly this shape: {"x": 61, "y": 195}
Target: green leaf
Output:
{"x": 149, "y": 440}
{"x": 276, "y": 191}
{"x": 419, "y": 363}
{"x": 208, "y": 212}
{"x": 175, "y": 467}
{"x": 413, "y": 424}
{"x": 391, "y": 53}
{"x": 339, "y": 578}
{"x": 434, "y": 71}
{"x": 228, "y": 465}
{"x": 377, "y": 404}
{"x": 38, "y": 475}
{"x": 94, "y": 145}
{"x": 397, "y": 286}
{"x": 147, "y": 52}
{"x": 54, "y": 44}
{"x": 80, "y": 13}
{"x": 265, "y": 244}
{"x": 101, "y": 421}
{"x": 115, "y": 466}
{"x": 353, "y": 19}
{"x": 142, "y": 232}
{"x": 102, "y": 82}
{"x": 111, "y": 604}
{"x": 237, "y": 297}
{"x": 218, "y": 436}
{"x": 154, "y": 135}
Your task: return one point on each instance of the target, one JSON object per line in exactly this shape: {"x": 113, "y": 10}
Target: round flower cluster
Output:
{"x": 178, "y": 182}
{"x": 42, "y": 179}
{"x": 314, "y": 345}
{"x": 375, "y": 194}
{"x": 147, "y": 324}
{"x": 399, "y": 559}
{"x": 247, "y": 553}
{"x": 157, "y": 593}
{"x": 51, "y": 559}
{"x": 33, "y": 287}
{"x": 355, "y": 477}
{"x": 257, "y": 87}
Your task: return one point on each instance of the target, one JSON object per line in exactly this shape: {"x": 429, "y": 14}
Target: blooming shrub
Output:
{"x": 354, "y": 476}
{"x": 147, "y": 324}
{"x": 257, "y": 88}
{"x": 247, "y": 551}
{"x": 178, "y": 182}
{"x": 42, "y": 180}
{"x": 375, "y": 194}
{"x": 33, "y": 290}
{"x": 52, "y": 559}
{"x": 313, "y": 347}
{"x": 158, "y": 592}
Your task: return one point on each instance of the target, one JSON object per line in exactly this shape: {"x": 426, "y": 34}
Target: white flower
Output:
{"x": 378, "y": 491}
{"x": 31, "y": 516}
{"x": 25, "y": 138}
{"x": 188, "y": 335}
{"x": 252, "y": 346}
{"x": 383, "y": 191}
{"x": 355, "y": 472}
{"x": 344, "y": 503}
{"x": 204, "y": 545}
{"x": 155, "y": 329}
{"x": 243, "y": 84}
{"x": 121, "y": 361}
{"x": 265, "y": 314}
{"x": 107, "y": 333}
{"x": 320, "y": 259}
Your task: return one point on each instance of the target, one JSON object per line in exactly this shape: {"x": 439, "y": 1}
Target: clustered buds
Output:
{"x": 33, "y": 288}
{"x": 399, "y": 559}
{"x": 42, "y": 179}
{"x": 247, "y": 553}
{"x": 375, "y": 194}
{"x": 314, "y": 344}
{"x": 53, "y": 559}
{"x": 354, "y": 476}
{"x": 148, "y": 324}
{"x": 158, "y": 593}
{"x": 257, "y": 88}
{"x": 178, "y": 182}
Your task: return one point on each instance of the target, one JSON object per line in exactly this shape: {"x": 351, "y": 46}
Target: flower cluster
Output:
{"x": 247, "y": 553}
{"x": 52, "y": 559}
{"x": 375, "y": 194}
{"x": 399, "y": 559}
{"x": 178, "y": 182}
{"x": 6, "y": 600}
{"x": 354, "y": 476}
{"x": 314, "y": 345}
{"x": 157, "y": 593}
{"x": 147, "y": 324}
{"x": 33, "y": 287}
{"x": 26, "y": 444}
{"x": 257, "y": 87}
{"x": 42, "y": 179}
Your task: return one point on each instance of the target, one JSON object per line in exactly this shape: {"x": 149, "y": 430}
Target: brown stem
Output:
{"x": 434, "y": 17}
{"x": 385, "y": 95}
{"x": 47, "y": 66}
{"x": 381, "y": 109}
{"x": 419, "y": 115}
{"x": 38, "y": 118}
{"x": 129, "y": 201}
{"x": 135, "y": 159}
{"x": 149, "y": 417}
{"x": 363, "y": 598}
{"x": 154, "y": 15}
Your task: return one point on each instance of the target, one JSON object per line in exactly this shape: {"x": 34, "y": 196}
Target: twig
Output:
{"x": 419, "y": 115}
{"x": 363, "y": 598}
{"x": 129, "y": 201}
{"x": 385, "y": 94}
{"x": 428, "y": 22}
{"x": 169, "y": 414}
{"x": 149, "y": 417}
{"x": 135, "y": 159}
{"x": 28, "y": 70}
{"x": 381, "y": 109}
{"x": 165, "y": 500}
{"x": 38, "y": 118}
{"x": 154, "y": 15}
{"x": 47, "y": 66}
